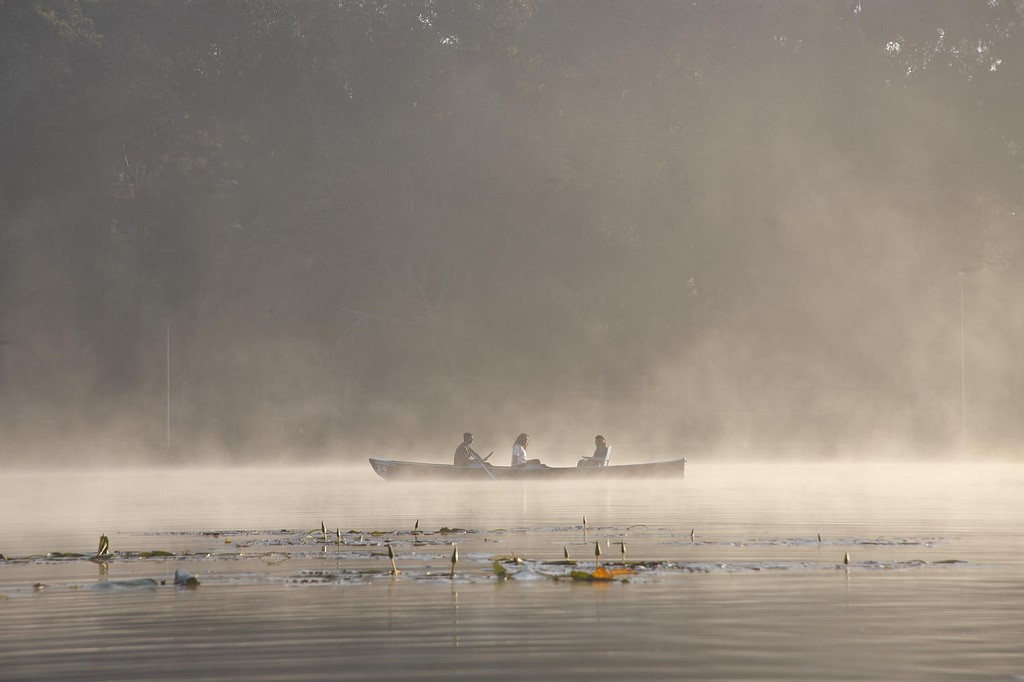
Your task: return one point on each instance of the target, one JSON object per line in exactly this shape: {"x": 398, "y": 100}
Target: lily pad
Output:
{"x": 602, "y": 574}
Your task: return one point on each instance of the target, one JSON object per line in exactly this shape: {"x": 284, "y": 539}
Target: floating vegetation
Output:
{"x": 358, "y": 557}
{"x": 183, "y": 579}
{"x": 809, "y": 542}
{"x": 325, "y": 577}
{"x": 274, "y": 558}
{"x": 482, "y": 569}
{"x": 130, "y": 584}
{"x": 97, "y": 558}
{"x": 602, "y": 573}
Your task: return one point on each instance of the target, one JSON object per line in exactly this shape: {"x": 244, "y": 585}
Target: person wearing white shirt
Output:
{"x": 519, "y": 451}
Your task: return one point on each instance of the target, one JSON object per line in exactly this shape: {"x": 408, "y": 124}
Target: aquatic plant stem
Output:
{"x": 391, "y": 555}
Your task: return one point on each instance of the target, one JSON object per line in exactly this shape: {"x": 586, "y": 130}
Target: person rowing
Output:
{"x": 465, "y": 455}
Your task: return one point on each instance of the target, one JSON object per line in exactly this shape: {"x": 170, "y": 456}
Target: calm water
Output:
{"x": 739, "y": 573}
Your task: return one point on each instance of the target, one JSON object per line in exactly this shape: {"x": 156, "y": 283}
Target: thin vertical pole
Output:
{"x": 962, "y": 277}
{"x": 168, "y": 387}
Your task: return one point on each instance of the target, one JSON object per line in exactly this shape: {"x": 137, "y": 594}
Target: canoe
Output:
{"x": 392, "y": 469}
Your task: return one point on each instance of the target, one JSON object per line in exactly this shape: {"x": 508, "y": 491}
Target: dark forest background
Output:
{"x": 363, "y": 227}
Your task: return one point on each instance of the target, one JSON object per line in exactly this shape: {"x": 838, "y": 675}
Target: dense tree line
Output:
{"x": 385, "y": 222}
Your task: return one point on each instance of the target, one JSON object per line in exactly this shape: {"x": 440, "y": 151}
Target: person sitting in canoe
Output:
{"x": 600, "y": 457}
{"x": 519, "y": 452}
{"x": 465, "y": 455}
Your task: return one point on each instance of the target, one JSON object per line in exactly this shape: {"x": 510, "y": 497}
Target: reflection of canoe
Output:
{"x": 394, "y": 469}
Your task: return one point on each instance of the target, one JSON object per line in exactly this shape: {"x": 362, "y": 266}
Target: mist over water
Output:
{"x": 746, "y": 570}
{"x": 62, "y": 511}
{"x": 299, "y": 231}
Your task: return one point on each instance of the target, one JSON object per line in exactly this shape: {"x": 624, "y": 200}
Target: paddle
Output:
{"x": 482, "y": 462}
